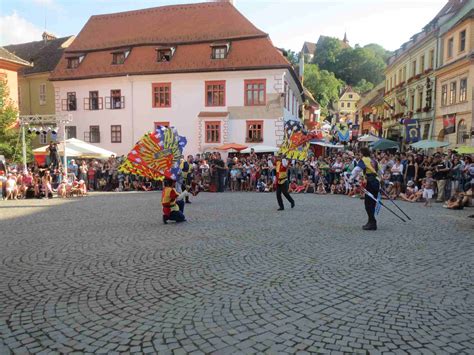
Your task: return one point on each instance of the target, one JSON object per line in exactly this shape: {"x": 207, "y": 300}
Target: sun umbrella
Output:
{"x": 232, "y": 146}
{"x": 384, "y": 144}
{"x": 261, "y": 149}
{"x": 465, "y": 149}
{"x": 429, "y": 144}
{"x": 368, "y": 138}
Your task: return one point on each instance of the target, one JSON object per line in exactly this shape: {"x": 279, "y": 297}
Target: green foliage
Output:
{"x": 323, "y": 85}
{"x": 352, "y": 64}
{"x": 292, "y": 57}
{"x": 10, "y": 146}
{"x": 363, "y": 86}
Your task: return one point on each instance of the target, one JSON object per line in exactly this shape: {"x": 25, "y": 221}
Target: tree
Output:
{"x": 327, "y": 53}
{"x": 10, "y": 146}
{"x": 292, "y": 57}
{"x": 363, "y": 86}
{"x": 323, "y": 85}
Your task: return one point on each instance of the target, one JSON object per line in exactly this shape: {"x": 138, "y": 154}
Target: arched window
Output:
{"x": 461, "y": 132}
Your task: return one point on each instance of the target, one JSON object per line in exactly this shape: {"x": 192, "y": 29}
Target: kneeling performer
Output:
{"x": 172, "y": 202}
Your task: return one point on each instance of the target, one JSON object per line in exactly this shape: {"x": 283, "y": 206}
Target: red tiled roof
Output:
{"x": 165, "y": 25}
{"x": 257, "y": 53}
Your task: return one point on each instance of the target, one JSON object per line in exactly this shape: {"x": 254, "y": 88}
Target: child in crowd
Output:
{"x": 428, "y": 185}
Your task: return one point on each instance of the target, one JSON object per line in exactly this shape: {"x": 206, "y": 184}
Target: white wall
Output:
{"x": 187, "y": 100}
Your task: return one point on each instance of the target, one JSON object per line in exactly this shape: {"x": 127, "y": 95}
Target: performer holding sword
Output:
{"x": 369, "y": 168}
{"x": 282, "y": 182}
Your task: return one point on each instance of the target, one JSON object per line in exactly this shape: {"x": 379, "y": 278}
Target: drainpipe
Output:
{"x": 130, "y": 79}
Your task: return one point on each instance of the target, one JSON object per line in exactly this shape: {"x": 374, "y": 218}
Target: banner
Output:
{"x": 449, "y": 124}
{"x": 412, "y": 131}
{"x": 296, "y": 141}
{"x": 342, "y": 130}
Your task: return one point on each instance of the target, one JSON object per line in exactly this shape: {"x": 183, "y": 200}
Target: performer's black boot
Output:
{"x": 370, "y": 226}
{"x": 165, "y": 219}
{"x": 187, "y": 199}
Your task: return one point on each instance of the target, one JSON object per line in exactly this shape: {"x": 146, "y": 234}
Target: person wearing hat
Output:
{"x": 282, "y": 182}
{"x": 369, "y": 168}
{"x": 172, "y": 211}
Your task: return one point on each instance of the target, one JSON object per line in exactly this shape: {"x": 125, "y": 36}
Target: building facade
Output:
{"x": 454, "y": 88}
{"x": 370, "y": 113}
{"x": 10, "y": 64}
{"x": 411, "y": 80}
{"x": 217, "y": 80}
{"x": 35, "y": 91}
{"x": 346, "y": 105}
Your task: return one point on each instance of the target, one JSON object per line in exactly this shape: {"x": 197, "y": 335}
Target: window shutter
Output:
{"x": 64, "y": 105}
{"x": 122, "y": 101}
{"x": 107, "y": 103}
{"x": 86, "y": 103}
{"x": 101, "y": 103}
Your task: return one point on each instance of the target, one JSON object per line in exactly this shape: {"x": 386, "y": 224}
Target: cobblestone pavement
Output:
{"x": 102, "y": 275}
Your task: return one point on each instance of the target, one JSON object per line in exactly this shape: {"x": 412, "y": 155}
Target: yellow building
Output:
{"x": 346, "y": 105}
{"x": 36, "y": 93}
{"x": 10, "y": 64}
{"x": 455, "y": 78}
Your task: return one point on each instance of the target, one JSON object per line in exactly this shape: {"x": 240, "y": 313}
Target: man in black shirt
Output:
{"x": 441, "y": 170}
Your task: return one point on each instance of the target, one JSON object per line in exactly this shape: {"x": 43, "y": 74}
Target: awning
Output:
{"x": 326, "y": 145}
{"x": 261, "y": 149}
{"x": 384, "y": 144}
{"x": 429, "y": 144}
{"x": 232, "y": 147}
{"x": 77, "y": 148}
{"x": 465, "y": 149}
{"x": 368, "y": 138}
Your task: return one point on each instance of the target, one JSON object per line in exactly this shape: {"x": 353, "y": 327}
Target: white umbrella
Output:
{"x": 368, "y": 138}
{"x": 261, "y": 149}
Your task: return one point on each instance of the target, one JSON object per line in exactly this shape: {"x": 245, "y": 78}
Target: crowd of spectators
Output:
{"x": 410, "y": 176}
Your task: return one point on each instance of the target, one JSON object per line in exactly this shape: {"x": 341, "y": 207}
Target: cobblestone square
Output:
{"x": 102, "y": 274}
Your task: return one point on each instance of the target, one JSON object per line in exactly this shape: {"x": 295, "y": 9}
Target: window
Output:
{"x": 116, "y": 100}
{"x": 164, "y": 55}
{"x": 426, "y": 131}
{"x": 422, "y": 64}
{"x": 118, "y": 58}
{"x": 463, "y": 90}
{"x": 73, "y": 63}
{"x": 286, "y": 95}
{"x": 444, "y": 95}
{"x": 394, "y": 83}
{"x": 19, "y": 96}
{"x": 94, "y": 102}
{"x": 420, "y": 100}
{"x": 412, "y": 103}
{"x": 255, "y": 92}
{"x": 215, "y": 93}
{"x": 462, "y": 41}
{"x": 350, "y": 95}
{"x": 42, "y": 94}
{"x": 450, "y": 47}
{"x": 400, "y": 75}
{"x": 342, "y": 104}
{"x": 431, "y": 59}
{"x": 213, "y": 132}
{"x": 161, "y": 95}
{"x": 254, "y": 132}
{"x": 94, "y": 134}
{"x": 71, "y": 132}
{"x": 404, "y": 73}
{"x": 452, "y": 93}
{"x": 116, "y": 134}
{"x": 71, "y": 102}
{"x": 163, "y": 123}
{"x": 43, "y": 138}
{"x": 348, "y": 104}
{"x": 219, "y": 52}
{"x": 413, "y": 68}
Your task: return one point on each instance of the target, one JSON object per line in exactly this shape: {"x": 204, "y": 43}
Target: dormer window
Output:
{"x": 164, "y": 54}
{"x": 220, "y": 50}
{"x": 73, "y": 62}
{"x": 120, "y": 56}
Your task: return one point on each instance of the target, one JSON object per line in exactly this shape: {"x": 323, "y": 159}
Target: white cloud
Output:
{"x": 15, "y": 29}
{"x": 48, "y": 3}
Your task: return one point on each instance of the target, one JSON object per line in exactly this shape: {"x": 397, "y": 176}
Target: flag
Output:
{"x": 378, "y": 206}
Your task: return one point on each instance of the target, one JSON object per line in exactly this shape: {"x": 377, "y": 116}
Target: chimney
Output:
{"x": 48, "y": 36}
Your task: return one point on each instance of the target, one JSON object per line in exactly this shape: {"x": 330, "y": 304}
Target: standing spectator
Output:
{"x": 411, "y": 170}
{"x": 83, "y": 171}
{"x": 441, "y": 169}
{"x": 73, "y": 168}
{"x": 456, "y": 176}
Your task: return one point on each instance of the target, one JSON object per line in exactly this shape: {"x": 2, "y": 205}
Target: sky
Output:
{"x": 289, "y": 23}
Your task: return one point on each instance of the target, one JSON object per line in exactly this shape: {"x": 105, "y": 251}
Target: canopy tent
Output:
{"x": 384, "y": 144}
{"x": 260, "y": 149}
{"x": 465, "y": 149}
{"x": 326, "y": 145}
{"x": 77, "y": 149}
{"x": 429, "y": 144}
{"x": 368, "y": 138}
{"x": 232, "y": 147}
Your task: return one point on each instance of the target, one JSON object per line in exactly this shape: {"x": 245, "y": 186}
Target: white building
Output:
{"x": 211, "y": 74}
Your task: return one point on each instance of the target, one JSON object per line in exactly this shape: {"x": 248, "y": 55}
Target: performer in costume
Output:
{"x": 369, "y": 168}
{"x": 173, "y": 205}
{"x": 282, "y": 182}
{"x": 186, "y": 169}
